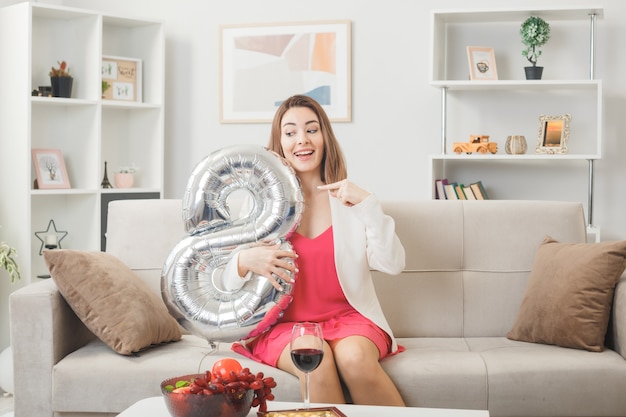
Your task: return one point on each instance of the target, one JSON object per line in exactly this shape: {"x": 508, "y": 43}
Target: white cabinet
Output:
{"x": 86, "y": 128}
{"x": 512, "y": 105}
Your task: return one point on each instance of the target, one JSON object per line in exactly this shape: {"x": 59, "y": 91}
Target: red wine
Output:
{"x": 307, "y": 359}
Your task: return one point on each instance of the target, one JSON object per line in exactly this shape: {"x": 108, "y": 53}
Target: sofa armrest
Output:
{"x": 44, "y": 329}
{"x": 617, "y": 324}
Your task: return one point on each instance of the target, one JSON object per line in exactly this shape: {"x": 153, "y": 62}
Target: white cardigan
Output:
{"x": 365, "y": 239}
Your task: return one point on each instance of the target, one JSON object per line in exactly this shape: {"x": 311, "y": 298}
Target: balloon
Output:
{"x": 191, "y": 283}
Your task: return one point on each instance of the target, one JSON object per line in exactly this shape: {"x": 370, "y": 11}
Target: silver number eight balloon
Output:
{"x": 191, "y": 283}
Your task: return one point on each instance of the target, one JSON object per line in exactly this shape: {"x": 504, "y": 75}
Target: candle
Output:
{"x": 51, "y": 241}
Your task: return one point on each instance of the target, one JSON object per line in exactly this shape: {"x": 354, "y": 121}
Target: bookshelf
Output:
{"x": 512, "y": 105}
{"x": 87, "y": 129}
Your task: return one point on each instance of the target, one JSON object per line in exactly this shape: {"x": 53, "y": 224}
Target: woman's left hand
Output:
{"x": 345, "y": 191}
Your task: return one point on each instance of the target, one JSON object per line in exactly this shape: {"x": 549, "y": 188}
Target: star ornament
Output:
{"x": 49, "y": 237}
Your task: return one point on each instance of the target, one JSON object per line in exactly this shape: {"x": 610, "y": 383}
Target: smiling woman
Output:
{"x": 341, "y": 221}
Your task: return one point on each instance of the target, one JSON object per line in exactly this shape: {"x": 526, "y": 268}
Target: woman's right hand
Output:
{"x": 269, "y": 261}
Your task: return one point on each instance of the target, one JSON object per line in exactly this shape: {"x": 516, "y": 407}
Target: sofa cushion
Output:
{"x": 569, "y": 294}
{"x": 111, "y": 300}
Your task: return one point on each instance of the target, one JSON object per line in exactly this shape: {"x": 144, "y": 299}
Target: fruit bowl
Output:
{"x": 227, "y": 404}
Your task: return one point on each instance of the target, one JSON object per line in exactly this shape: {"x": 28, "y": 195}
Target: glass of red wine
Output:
{"x": 307, "y": 350}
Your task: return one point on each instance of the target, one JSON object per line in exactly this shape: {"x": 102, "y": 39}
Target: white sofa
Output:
{"x": 467, "y": 267}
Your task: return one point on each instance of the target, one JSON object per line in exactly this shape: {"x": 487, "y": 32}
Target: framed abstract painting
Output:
{"x": 262, "y": 65}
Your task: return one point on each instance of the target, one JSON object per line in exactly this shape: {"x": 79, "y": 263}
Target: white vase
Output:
{"x": 515, "y": 145}
{"x": 6, "y": 370}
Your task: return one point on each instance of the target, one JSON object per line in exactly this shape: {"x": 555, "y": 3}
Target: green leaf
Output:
{"x": 180, "y": 384}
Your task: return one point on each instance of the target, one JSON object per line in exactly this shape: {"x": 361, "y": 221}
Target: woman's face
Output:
{"x": 302, "y": 140}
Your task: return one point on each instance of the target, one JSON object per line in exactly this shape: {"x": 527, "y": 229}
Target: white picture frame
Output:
{"x": 262, "y": 65}
{"x": 553, "y": 134}
{"x": 482, "y": 63}
{"x": 121, "y": 79}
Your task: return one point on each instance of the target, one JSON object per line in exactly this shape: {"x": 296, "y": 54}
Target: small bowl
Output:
{"x": 198, "y": 405}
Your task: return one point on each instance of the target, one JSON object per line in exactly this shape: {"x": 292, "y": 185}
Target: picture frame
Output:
{"x": 50, "y": 169}
{"x": 121, "y": 79}
{"x": 482, "y": 63}
{"x": 263, "y": 64}
{"x": 553, "y": 134}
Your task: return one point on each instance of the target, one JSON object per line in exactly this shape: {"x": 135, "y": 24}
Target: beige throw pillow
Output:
{"x": 114, "y": 303}
{"x": 569, "y": 294}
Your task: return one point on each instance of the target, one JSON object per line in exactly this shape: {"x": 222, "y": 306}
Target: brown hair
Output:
{"x": 333, "y": 167}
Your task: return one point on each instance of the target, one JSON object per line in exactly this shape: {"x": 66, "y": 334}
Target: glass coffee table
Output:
{"x": 155, "y": 407}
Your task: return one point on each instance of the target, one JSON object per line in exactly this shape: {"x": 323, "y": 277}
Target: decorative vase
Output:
{"x": 123, "y": 180}
{"x": 533, "y": 73}
{"x": 515, "y": 145}
{"x": 61, "y": 86}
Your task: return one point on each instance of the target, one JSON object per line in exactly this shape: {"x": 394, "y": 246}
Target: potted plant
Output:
{"x": 124, "y": 177}
{"x": 535, "y": 32}
{"x": 7, "y": 261}
{"x": 61, "y": 80}
{"x": 105, "y": 87}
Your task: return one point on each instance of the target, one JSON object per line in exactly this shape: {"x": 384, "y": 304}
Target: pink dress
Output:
{"x": 317, "y": 297}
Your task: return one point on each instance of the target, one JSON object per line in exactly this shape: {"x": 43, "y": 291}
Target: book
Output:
{"x": 440, "y": 193}
{"x": 482, "y": 190}
{"x": 477, "y": 193}
{"x": 459, "y": 191}
{"x": 450, "y": 190}
{"x": 469, "y": 194}
{"x": 479, "y": 190}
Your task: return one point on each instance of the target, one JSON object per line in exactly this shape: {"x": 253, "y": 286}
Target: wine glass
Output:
{"x": 307, "y": 350}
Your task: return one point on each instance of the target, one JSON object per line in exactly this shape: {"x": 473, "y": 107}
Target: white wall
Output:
{"x": 395, "y": 123}
{"x": 395, "y": 119}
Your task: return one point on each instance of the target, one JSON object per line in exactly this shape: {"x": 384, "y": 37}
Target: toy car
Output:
{"x": 477, "y": 143}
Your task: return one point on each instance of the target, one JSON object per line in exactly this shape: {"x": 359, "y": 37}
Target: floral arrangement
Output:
{"x": 535, "y": 32}
{"x": 62, "y": 71}
{"x": 7, "y": 261}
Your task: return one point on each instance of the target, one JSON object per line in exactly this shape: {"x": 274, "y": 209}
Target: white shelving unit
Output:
{"x": 512, "y": 105}
{"x": 87, "y": 129}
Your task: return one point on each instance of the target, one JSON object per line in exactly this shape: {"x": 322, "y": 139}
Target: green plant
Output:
{"x": 7, "y": 261}
{"x": 62, "y": 71}
{"x": 535, "y": 32}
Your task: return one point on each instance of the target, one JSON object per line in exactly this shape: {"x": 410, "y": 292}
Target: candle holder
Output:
{"x": 52, "y": 241}
{"x": 51, "y": 237}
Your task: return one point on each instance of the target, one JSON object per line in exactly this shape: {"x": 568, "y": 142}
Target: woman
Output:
{"x": 343, "y": 232}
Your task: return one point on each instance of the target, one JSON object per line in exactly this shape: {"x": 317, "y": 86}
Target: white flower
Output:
{"x": 127, "y": 170}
